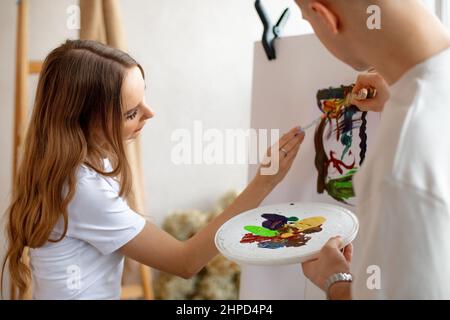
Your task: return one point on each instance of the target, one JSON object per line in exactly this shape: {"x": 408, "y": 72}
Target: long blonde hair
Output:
{"x": 78, "y": 96}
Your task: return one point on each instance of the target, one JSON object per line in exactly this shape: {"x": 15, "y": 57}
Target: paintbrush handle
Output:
{"x": 313, "y": 123}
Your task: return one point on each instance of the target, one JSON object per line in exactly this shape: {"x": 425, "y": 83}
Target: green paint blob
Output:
{"x": 261, "y": 231}
{"x": 293, "y": 219}
{"x": 341, "y": 189}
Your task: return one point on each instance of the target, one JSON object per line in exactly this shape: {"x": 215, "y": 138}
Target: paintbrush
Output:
{"x": 363, "y": 94}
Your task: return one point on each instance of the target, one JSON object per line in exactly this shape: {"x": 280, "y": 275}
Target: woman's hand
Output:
{"x": 331, "y": 260}
{"x": 377, "y": 82}
{"x": 279, "y": 158}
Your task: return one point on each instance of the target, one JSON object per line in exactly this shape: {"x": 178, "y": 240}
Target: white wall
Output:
{"x": 198, "y": 58}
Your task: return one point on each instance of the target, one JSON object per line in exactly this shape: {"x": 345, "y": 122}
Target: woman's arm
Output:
{"x": 157, "y": 249}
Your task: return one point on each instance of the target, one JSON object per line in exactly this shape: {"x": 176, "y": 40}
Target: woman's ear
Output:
{"x": 325, "y": 16}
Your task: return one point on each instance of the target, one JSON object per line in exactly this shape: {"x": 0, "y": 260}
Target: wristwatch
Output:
{"x": 337, "y": 277}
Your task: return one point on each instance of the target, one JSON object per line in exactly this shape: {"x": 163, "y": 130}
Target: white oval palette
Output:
{"x": 284, "y": 234}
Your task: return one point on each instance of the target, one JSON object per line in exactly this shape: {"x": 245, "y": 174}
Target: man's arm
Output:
{"x": 331, "y": 260}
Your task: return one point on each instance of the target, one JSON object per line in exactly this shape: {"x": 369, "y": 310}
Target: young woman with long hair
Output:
{"x": 69, "y": 200}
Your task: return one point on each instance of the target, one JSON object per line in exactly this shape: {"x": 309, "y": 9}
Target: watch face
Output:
{"x": 285, "y": 233}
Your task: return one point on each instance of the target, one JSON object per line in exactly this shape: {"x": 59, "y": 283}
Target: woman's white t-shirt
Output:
{"x": 86, "y": 263}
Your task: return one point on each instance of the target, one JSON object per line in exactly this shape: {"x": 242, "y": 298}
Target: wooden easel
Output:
{"x": 25, "y": 68}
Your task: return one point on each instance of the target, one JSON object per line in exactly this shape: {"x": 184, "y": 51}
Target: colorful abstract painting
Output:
{"x": 278, "y": 231}
{"x": 340, "y": 143}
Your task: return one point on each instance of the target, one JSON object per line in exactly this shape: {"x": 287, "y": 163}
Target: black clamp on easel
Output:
{"x": 271, "y": 32}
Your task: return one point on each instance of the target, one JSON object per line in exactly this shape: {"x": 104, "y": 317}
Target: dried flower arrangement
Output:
{"x": 219, "y": 280}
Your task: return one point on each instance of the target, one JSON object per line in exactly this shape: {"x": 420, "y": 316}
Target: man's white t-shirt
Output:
{"x": 86, "y": 263}
{"x": 403, "y": 247}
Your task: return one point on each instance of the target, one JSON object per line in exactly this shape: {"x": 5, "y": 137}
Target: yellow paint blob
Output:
{"x": 309, "y": 223}
{"x": 286, "y": 235}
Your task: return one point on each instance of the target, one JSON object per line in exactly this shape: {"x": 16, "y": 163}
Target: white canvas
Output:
{"x": 284, "y": 95}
